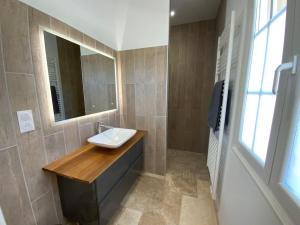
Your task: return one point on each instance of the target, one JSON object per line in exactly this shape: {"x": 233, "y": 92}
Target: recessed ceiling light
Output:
{"x": 172, "y": 13}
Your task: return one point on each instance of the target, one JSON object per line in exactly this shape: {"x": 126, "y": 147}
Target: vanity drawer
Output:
{"x": 111, "y": 203}
{"x": 107, "y": 180}
{"x": 135, "y": 152}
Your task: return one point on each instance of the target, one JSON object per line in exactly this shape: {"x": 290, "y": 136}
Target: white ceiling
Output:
{"x": 187, "y": 11}
{"x": 120, "y": 24}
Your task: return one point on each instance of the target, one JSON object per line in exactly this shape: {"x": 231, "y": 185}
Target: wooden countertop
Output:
{"x": 90, "y": 161}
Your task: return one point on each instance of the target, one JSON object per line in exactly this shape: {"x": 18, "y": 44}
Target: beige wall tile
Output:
{"x": 130, "y": 99}
{"x": 15, "y": 37}
{"x": 76, "y": 34}
{"x": 59, "y": 27}
{"x": 191, "y": 78}
{"x": 123, "y": 120}
{"x": 72, "y": 139}
{"x": 87, "y": 40}
{"x": 161, "y": 62}
{"x": 141, "y": 123}
{"x": 13, "y": 195}
{"x": 86, "y": 131}
{"x": 102, "y": 117}
{"x": 139, "y": 65}
{"x": 149, "y": 157}
{"x": 150, "y": 65}
{"x": 144, "y": 87}
{"x": 150, "y": 99}
{"x": 33, "y": 160}
{"x": 161, "y": 99}
{"x": 113, "y": 119}
{"x": 22, "y": 95}
{"x": 151, "y": 131}
{"x": 161, "y": 145}
{"x": 36, "y": 19}
{"x": 44, "y": 210}
{"x": 55, "y": 146}
{"x": 128, "y": 67}
{"x": 140, "y": 103}
{"x": 7, "y": 136}
{"x": 105, "y": 49}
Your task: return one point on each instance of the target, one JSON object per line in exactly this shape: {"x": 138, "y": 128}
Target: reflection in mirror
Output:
{"x": 82, "y": 81}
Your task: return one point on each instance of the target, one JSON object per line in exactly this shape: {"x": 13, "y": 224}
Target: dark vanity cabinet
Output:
{"x": 95, "y": 203}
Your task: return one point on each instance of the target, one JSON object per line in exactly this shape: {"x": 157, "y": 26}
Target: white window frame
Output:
{"x": 267, "y": 178}
{"x": 281, "y": 156}
{"x": 262, "y": 169}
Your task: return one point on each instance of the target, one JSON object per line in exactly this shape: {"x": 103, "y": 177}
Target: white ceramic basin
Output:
{"x": 112, "y": 138}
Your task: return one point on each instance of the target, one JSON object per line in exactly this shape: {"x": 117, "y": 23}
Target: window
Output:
{"x": 291, "y": 179}
{"x": 259, "y": 101}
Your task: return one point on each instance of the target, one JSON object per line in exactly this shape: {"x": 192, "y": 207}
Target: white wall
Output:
{"x": 147, "y": 24}
{"x": 241, "y": 201}
{"x": 120, "y": 24}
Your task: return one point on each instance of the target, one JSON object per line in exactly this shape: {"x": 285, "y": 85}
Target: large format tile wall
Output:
{"x": 28, "y": 196}
{"x": 220, "y": 20}
{"x": 192, "y": 58}
{"x": 144, "y": 90}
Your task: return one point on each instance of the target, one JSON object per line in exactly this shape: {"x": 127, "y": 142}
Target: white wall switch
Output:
{"x": 26, "y": 122}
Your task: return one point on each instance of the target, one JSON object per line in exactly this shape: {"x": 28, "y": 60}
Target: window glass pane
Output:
{"x": 257, "y": 63}
{"x": 258, "y": 110}
{"x": 249, "y": 120}
{"x": 292, "y": 178}
{"x": 263, "y": 126}
{"x": 264, "y": 13}
{"x": 274, "y": 52}
{"x": 278, "y": 5}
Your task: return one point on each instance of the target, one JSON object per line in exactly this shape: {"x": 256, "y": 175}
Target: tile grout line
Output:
{"x": 30, "y": 50}
{"x": 54, "y": 205}
{"x": 54, "y": 133}
{"x": 78, "y": 131}
{"x": 19, "y": 73}
{"x": 39, "y": 113}
{"x": 63, "y": 131}
{"x": 14, "y": 131}
{"x": 40, "y": 196}
{"x": 8, "y": 147}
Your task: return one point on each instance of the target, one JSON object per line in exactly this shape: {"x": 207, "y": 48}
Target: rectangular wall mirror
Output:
{"x": 82, "y": 81}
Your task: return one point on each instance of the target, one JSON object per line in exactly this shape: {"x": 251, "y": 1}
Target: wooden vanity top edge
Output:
{"x": 96, "y": 160}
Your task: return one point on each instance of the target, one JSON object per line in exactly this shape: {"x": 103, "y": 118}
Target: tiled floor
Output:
{"x": 182, "y": 197}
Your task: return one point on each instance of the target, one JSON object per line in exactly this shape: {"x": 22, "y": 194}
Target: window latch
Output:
{"x": 285, "y": 66}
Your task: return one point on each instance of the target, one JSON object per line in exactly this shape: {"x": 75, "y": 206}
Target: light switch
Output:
{"x": 26, "y": 122}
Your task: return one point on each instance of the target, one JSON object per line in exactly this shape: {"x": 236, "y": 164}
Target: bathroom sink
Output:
{"x": 112, "y": 138}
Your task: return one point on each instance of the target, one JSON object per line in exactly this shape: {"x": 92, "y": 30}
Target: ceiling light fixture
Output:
{"x": 172, "y": 13}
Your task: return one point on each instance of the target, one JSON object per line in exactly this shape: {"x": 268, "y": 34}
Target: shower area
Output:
{"x": 192, "y": 62}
